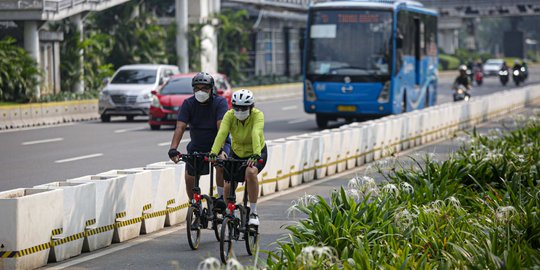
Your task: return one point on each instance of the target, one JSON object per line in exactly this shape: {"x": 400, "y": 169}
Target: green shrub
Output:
{"x": 447, "y": 62}
{"x": 19, "y": 74}
{"x": 477, "y": 210}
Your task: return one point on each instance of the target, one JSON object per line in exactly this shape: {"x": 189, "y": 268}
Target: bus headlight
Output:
{"x": 310, "y": 92}
{"x": 384, "y": 96}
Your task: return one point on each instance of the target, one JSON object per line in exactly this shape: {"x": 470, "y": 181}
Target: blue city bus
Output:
{"x": 366, "y": 59}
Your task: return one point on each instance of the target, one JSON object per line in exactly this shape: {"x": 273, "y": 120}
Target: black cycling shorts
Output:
{"x": 239, "y": 176}
{"x": 203, "y": 167}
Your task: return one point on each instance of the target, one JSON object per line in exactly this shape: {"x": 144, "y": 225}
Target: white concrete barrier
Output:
{"x": 79, "y": 209}
{"x": 308, "y": 157}
{"x": 268, "y": 177}
{"x": 30, "y": 217}
{"x": 349, "y": 143}
{"x": 296, "y": 158}
{"x": 99, "y": 232}
{"x": 163, "y": 188}
{"x": 177, "y": 206}
{"x": 135, "y": 198}
{"x": 339, "y": 149}
{"x": 283, "y": 179}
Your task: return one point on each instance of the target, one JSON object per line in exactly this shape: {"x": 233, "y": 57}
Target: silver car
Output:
{"x": 492, "y": 67}
{"x": 128, "y": 93}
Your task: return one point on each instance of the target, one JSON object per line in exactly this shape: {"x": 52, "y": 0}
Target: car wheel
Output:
{"x": 105, "y": 118}
{"x": 155, "y": 127}
{"x": 130, "y": 118}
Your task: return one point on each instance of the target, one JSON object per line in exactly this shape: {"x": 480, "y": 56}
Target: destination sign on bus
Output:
{"x": 345, "y": 17}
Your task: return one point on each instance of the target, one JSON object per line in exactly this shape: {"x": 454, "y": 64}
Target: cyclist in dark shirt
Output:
{"x": 203, "y": 112}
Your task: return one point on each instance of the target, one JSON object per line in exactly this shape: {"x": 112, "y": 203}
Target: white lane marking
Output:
{"x": 146, "y": 238}
{"x": 129, "y": 129}
{"x": 79, "y": 158}
{"x": 32, "y": 128}
{"x": 297, "y": 121}
{"x": 43, "y": 141}
{"x": 288, "y": 108}
{"x": 169, "y": 143}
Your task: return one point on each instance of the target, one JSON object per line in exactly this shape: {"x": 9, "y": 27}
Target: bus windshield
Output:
{"x": 349, "y": 42}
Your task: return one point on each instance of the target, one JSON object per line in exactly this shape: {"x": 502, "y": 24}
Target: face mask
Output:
{"x": 201, "y": 96}
{"x": 241, "y": 115}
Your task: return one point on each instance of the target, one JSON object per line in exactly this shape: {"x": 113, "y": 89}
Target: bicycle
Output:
{"x": 233, "y": 226}
{"x": 198, "y": 216}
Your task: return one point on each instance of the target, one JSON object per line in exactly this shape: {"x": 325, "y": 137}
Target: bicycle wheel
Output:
{"x": 226, "y": 238}
{"x": 251, "y": 239}
{"x": 193, "y": 228}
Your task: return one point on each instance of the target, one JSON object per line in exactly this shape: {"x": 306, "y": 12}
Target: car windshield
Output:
{"x": 178, "y": 86}
{"x": 135, "y": 76}
{"x": 494, "y": 62}
{"x": 350, "y": 42}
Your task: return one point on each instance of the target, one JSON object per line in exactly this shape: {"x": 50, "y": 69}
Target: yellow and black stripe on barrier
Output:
{"x": 24, "y": 252}
{"x": 90, "y": 222}
{"x": 147, "y": 207}
{"x": 171, "y": 201}
{"x": 57, "y": 231}
{"x": 121, "y": 215}
{"x": 98, "y": 230}
{"x": 68, "y": 239}
{"x": 179, "y": 207}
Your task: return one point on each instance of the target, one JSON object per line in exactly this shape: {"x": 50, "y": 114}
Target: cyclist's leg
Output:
{"x": 190, "y": 180}
{"x": 253, "y": 185}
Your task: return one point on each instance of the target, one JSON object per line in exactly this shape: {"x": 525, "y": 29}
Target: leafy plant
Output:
{"x": 19, "y": 74}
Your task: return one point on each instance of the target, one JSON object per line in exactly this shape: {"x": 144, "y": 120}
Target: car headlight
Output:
{"x": 155, "y": 102}
{"x": 104, "y": 95}
{"x": 147, "y": 97}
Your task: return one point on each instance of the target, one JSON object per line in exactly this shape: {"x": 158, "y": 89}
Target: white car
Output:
{"x": 492, "y": 67}
{"x": 128, "y": 93}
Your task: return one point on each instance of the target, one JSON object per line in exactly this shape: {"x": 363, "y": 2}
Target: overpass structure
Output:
{"x": 43, "y": 46}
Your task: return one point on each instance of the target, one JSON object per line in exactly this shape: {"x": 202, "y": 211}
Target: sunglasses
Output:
{"x": 203, "y": 88}
{"x": 240, "y": 108}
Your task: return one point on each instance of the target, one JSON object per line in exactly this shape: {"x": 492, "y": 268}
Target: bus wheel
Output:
{"x": 322, "y": 121}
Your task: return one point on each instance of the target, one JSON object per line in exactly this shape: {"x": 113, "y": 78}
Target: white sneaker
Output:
{"x": 253, "y": 219}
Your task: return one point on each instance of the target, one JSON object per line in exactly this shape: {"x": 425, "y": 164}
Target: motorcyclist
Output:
{"x": 525, "y": 69}
{"x": 462, "y": 78}
{"x": 517, "y": 65}
{"x": 504, "y": 66}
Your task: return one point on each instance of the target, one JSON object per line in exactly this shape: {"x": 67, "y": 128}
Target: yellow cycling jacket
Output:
{"x": 247, "y": 138}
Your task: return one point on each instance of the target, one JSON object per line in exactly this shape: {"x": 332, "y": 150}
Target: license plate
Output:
{"x": 171, "y": 116}
{"x": 123, "y": 109}
{"x": 346, "y": 108}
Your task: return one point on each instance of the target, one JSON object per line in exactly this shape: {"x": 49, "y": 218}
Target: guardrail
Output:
{"x": 121, "y": 204}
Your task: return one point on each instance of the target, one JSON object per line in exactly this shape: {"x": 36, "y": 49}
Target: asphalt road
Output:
{"x": 168, "y": 249}
{"x": 36, "y": 156}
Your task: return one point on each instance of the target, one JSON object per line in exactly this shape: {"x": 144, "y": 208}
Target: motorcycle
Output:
{"x": 461, "y": 93}
{"x": 478, "y": 77}
{"x": 517, "y": 76}
{"x": 503, "y": 76}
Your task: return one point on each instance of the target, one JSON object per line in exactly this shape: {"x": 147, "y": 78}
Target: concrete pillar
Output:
{"x": 209, "y": 52}
{"x": 79, "y": 25}
{"x": 31, "y": 45}
{"x": 448, "y": 40}
{"x": 182, "y": 35}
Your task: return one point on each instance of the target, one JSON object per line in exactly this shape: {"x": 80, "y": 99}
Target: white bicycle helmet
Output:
{"x": 243, "y": 97}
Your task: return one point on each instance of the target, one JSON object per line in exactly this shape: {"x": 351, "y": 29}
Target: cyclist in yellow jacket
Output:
{"x": 245, "y": 123}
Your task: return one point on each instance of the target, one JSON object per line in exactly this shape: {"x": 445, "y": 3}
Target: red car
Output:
{"x": 167, "y": 100}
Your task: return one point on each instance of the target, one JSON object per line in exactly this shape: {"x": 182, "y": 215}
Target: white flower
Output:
{"x": 302, "y": 202}
{"x": 233, "y": 264}
{"x": 310, "y": 255}
{"x": 404, "y": 218}
{"x": 210, "y": 263}
{"x": 406, "y": 187}
{"x": 453, "y": 201}
{"x": 504, "y": 213}
{"x": 391, "y": 189}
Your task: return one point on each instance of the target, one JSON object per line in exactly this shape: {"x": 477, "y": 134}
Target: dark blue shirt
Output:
{"x": 202, "y": 120}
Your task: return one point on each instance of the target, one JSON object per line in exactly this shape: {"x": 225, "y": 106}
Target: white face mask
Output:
{"x": 241, "y": 115}
{"x": 201, "y": 96}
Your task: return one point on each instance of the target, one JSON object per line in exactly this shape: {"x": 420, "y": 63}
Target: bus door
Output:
{"x": 418, "y": 46}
